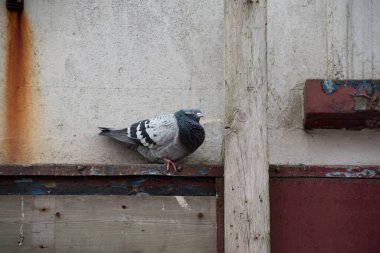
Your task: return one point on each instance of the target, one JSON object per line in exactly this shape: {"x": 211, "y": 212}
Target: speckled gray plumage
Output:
{"x": 170, "y": 136}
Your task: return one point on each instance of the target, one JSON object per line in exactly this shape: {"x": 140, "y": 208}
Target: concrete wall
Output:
{"x": 111, "y": 63}
{"x": 103, "y": 63}
{"x": 319, "y": 39}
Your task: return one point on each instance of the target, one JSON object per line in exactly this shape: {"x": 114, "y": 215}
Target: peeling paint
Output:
{"x": 351, "y": 173}
{"x": 201, "y": 172}
{"x": 370, "y": 87}
{"x": 152, "y": 171}
{"x": 38, "y": 192}
{"x": 308, "y": 171}
{"x": 329, "y": 86}
{"x": 376, "y": 104}
{"x": 337, "y": 104}
{"x": 364, "y": 102}
{"x": 373, "y": 123}
{"x": 360, "y": 103}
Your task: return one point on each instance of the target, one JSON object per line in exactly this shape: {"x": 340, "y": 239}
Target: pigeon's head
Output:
{"x": 193, "y": 113}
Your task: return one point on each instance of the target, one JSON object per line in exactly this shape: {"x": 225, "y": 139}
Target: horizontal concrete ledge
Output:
{"x": 109, "y": 170}
{"x": 335, "y": 104}
{"x": 323, "y": 171}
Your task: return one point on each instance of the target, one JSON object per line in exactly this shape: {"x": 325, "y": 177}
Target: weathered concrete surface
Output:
{"x": 111, "y": 63}
{"x": 104, "y": 63}
{"x": 319, "y": 40}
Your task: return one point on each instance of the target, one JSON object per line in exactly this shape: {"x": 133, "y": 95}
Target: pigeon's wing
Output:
{"x": 155, "y": 133}
{"x": 118, "y": 134}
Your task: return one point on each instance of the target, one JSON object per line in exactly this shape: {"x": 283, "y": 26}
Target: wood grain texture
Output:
{"x": 108, "y": 224}
{"x": 246, "y": 161}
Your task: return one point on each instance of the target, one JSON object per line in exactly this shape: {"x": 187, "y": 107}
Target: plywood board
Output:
{"x": 107, "y": 224}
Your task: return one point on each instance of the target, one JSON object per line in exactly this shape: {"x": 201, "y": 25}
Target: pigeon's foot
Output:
{"x": 169, "y": 164}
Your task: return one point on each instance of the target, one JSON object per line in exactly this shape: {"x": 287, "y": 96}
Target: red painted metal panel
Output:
{"x": 351, "y": 104}
{"x": 325, "y": 215}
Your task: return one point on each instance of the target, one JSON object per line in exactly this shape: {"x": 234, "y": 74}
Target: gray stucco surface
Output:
{"x": 111, "y": 63}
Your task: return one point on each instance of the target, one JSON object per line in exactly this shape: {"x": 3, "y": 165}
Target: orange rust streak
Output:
{"x": 18, "y": 99}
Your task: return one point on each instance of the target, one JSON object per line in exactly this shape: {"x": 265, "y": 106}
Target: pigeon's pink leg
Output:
{"x": 169, "y": 163}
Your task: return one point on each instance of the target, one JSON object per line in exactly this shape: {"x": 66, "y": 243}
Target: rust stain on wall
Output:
{"x": 19, "y": 114}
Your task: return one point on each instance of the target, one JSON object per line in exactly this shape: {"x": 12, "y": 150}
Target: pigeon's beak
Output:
{"x": 199, "y": 115}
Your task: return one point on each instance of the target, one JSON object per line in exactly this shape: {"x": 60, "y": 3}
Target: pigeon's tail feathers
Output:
{"x": 105, "y": 129}
{"x": 120, "y": 135}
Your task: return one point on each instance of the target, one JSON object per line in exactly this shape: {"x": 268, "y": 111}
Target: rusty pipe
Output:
{"x": 15, "y": 5}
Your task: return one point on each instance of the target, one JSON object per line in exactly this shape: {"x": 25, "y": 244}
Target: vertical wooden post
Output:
{"x": 246, "y": 156}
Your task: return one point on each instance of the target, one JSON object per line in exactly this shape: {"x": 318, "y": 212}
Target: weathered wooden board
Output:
{"x": 246, "y": 156}
{"x": 107, "y": 224}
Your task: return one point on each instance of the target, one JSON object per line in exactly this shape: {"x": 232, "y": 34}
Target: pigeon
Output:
{"x": 165, "y": 138}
